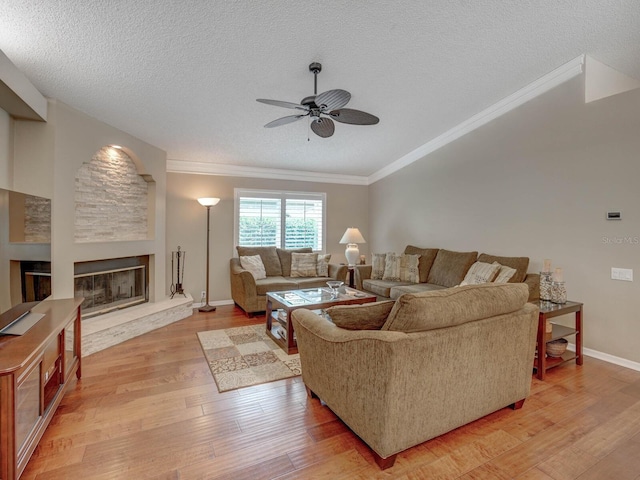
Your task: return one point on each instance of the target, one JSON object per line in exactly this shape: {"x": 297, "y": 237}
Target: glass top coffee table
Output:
{"x": 281, "y": 304}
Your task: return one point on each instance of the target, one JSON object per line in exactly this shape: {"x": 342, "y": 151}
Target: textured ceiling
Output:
{"x": 184, "y": 75}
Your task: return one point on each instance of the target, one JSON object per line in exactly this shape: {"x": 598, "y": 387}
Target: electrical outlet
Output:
{"x": 203, "y": 295}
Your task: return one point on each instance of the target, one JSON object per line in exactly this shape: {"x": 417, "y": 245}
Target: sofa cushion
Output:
{"x": 322, "y": 267}
{"x": 304, "y": 265}
{"x": 253, "y": 264}
{"x": 521, "y": 264}
{"x": 369, "y": 316}
{"x": 377, "y": 265}
{"x": 427, "y": 256}
{"x": 392, "y": 265}
{"x": 454, "y": 306}
{"x": 285, "y": 258}
{"x": 481, "y": 272}
{"x": 504, "y": 274}
{"x": 414, "y": 288}
{"x": 269, "y": 257}
{"x": 274, "y": 284}
{"x": 310, "y": 282}
{"x": 381, "y": 287}
{"x": 410, "y": 268}
{"x": 449, "y": 268}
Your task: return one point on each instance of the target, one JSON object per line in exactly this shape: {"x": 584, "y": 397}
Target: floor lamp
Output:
{"x": 208, "y": 202}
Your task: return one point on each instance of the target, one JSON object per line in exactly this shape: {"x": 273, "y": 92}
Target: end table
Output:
{"x": 550, "y": 310}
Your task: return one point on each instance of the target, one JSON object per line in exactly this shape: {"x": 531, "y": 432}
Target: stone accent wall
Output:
{"x": 37, "y": 219}
{"x": 110, "y": 199}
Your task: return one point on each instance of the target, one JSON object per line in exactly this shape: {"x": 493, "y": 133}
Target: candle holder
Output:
{"x": 545, "y": 286}
{"x": 558, "y": 292}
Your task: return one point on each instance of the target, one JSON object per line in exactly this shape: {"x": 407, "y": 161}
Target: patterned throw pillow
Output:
{"x": 304, "y": 264}
{"x": 392, "y": 267}
{"x": 504, "y": 274}
{"x": 254, "y": 265}
{"x": 377, "y": 265}
{"x": 480, "y": 272}
{"x": 409, "y": 268}
{"x": 322, "y": 266}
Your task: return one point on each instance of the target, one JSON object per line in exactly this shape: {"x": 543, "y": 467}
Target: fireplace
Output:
{"x": 35, "y": 280}
{"x": 112, "y": 284}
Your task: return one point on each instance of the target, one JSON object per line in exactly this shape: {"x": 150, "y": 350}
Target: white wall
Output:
{"x": 186, "y": 223}
{"x": 536, "y": 182}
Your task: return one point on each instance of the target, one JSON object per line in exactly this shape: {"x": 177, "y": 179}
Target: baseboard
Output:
{"x": 623, "y": 362}
{"x": 217, "y": 303}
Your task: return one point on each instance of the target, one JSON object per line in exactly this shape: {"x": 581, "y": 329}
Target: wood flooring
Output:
{"x": 149, "y": 409}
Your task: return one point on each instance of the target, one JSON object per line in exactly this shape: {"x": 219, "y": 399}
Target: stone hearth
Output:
{"x": 116, "y": 327}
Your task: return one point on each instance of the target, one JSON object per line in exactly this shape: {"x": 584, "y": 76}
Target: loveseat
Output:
{"x": 403, "y": 372}
{"x": 250, "y": 293}
{"x": 439, "y": 269}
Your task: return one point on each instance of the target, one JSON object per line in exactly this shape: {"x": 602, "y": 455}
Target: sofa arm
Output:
{"x": 243, "y": 284}
{"x": 532, "y": 280}
{"x": 338, "y": 272}
{"x": 363, "y": 272}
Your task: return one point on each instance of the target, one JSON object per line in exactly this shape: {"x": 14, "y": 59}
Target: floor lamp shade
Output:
{"x": 208, "y": 202}
{"x": 352, "y": 237}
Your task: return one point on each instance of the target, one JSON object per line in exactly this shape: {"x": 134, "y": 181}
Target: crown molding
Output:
{"x": 543, "y": 84}
{"x": 205, "y": 168}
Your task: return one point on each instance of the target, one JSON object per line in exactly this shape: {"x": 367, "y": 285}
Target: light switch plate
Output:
{"x": 625, "y": 274}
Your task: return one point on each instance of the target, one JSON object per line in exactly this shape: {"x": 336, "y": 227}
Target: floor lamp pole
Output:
{"x": 206, "y": 307}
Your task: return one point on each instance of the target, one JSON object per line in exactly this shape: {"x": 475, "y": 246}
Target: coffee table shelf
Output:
{"x": 281, "y": 330}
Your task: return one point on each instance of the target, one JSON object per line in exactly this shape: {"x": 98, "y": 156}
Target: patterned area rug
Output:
{"x": 244, "y": 356}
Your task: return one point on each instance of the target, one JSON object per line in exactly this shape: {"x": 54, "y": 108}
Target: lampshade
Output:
{"x": 352, "y": 235}
{"x": 208, "y": 201}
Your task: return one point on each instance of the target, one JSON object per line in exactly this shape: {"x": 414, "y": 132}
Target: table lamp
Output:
{"x": 352, "y": 237}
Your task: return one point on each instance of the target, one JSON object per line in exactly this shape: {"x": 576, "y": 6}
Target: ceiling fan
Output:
{"x": 322, "y": 109}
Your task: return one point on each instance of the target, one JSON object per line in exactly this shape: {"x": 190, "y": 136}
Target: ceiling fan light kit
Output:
{"x": 322, "y": 109}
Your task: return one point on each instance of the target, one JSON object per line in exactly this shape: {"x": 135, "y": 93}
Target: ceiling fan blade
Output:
{"x": 323, "y": 127}
{"x": 332, "y": 99}
{"x": 284, "y": 121}
{"x": 353, "y": 117}
{"x": 279, "y": 103}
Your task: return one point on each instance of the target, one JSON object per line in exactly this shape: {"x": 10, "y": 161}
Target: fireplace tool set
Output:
{"x": 177, "y": 272}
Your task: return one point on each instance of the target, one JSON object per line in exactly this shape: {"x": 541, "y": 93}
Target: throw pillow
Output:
{"x": 480, "y": 272}
{"x": 369, "y": 316}
{"x": 377, "y": 265}
{"x": 322, "y": 265}
{"x": 504, "y": 274}
{"x": 392, "y": 267}
{"x": 304, "y": 264}
{"x": 254, "y": 265}
{"x": 409, "y": 268}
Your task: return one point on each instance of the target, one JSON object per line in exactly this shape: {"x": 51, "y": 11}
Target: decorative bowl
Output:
{"x": 334, "y": 285}
{"x": 555, "y": 348}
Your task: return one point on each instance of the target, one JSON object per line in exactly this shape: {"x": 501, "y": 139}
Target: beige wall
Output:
{"x": 46, "y": 158}
{"x": 186, "y": 223}
{"x": 5, "y": 150}
{"x": 536, "y": 182}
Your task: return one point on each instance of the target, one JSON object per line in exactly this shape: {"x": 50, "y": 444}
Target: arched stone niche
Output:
{"x": 112, "y": 198}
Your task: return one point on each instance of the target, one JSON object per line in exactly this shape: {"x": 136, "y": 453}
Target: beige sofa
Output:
{"x": 441, "y": 359}
{"x": 251, "y": 294}
{"x": 439, "y": 269}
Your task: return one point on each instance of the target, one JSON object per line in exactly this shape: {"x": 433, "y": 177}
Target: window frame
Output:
{"x": 283, "y": 196}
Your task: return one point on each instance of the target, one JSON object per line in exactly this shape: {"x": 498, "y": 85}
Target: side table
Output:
{"x": 550, "y": 310}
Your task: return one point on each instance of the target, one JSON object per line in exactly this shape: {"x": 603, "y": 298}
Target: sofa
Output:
{"x": 399, "y": 373}
{"x": 438, "y": 269}
{"x": 251, "y": 294}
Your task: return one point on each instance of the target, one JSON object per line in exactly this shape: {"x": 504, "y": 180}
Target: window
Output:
{"x": 282, "y": 219}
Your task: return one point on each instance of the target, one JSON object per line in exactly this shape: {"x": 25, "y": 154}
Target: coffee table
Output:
{"x": 281, "y": 304}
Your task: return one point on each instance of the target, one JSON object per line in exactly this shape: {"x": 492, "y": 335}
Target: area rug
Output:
{"x": 244, "y": 356}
